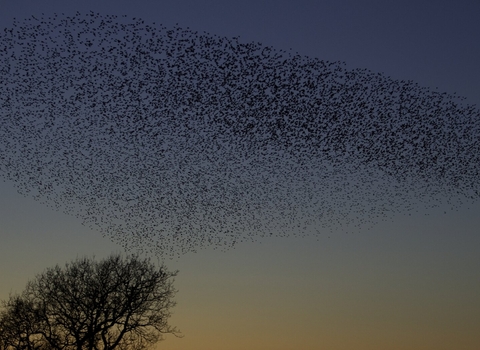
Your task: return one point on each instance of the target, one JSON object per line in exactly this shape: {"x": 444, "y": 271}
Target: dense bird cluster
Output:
{"x": 170, "y": 140}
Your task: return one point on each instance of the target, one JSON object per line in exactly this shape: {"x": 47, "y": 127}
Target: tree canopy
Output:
{"x": 117, "y": 303}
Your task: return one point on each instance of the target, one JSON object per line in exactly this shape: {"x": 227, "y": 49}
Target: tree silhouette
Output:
{"x": 117, "y": 303}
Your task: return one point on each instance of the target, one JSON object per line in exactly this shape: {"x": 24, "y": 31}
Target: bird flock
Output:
{"x": 168, "y": 140}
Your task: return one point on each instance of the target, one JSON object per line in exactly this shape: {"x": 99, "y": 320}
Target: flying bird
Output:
{"x": 167, "y": 140}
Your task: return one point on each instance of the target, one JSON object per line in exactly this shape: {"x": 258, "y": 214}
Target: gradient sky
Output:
{"x": 412, "y": 282}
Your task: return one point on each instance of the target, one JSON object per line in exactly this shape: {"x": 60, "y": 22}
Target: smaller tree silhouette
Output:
{"x": 117, "y": 303}
{"x": 18, "y": 327}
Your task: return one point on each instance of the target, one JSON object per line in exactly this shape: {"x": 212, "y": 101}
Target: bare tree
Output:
{"x": 18, "y": 328}
{"x": 117, "y": 303}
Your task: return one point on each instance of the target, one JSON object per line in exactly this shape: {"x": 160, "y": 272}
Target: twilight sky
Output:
{"x": 410, "y": 282}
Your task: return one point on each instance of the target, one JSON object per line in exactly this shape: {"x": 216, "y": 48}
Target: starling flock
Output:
{"x": 168, "y": 140}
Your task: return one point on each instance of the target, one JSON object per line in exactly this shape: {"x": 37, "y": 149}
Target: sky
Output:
{"x": 410, "y": 282}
